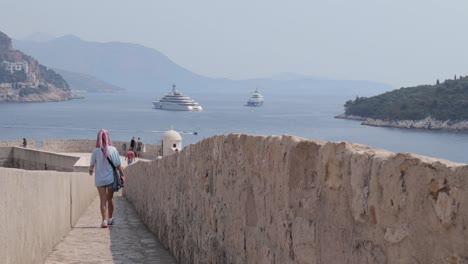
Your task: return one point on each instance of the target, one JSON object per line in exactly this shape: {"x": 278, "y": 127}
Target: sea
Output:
{"x": 302, "y": 113}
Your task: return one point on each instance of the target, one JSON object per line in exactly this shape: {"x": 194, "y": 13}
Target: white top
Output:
{"x": 103, "y": 172}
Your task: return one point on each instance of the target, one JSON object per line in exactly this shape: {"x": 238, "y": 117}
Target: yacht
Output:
{"x": 176, "y": 101}
{"x": 256, "y": 99}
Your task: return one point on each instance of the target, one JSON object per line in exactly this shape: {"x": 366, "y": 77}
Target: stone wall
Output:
{"x": 6, "y": 157}
{"x": 37, "y": 209}
{"x": 68, "y": 145}
{"x": 255, "y": 199}
{"x": 152, "y": 151}
{"x": 17, "y": 143}
{"x": 31, "y": 159}
{"x": 87, "y": 146}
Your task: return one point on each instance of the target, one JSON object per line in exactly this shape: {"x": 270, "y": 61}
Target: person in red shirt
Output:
{"x": 130, "y": 156}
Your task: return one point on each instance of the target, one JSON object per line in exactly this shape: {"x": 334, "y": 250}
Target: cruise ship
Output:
{"x": 256, "y": 99}
{"x": 176, "y": 101}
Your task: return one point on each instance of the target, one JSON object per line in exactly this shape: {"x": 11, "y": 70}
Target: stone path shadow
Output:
{"x": 127, "y": 241}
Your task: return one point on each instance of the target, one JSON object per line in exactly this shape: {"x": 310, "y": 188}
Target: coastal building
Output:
{"x": 6, "y": 86}
{"x": 15, "y": 66}
{"x": 171, "y": 142}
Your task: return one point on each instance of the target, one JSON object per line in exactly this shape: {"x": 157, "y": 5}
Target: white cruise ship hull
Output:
{"x": 254, "y": 103}
{"x": 175, "y": 107}
{"x": 256, "y": 99}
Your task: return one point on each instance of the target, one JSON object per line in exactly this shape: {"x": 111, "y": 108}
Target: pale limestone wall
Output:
{"x": 83, "y": 193}
{"x": 6, "y": 157}
{"x": 254, "y": 199}
{"x": 30, "y": 159}
{"x": 37, "y": 209}
{"x": 87, "y": 146}
{"x": 152, "y": 151}
{"x": 68, "y": 145}
{"x": 17, "y": 143}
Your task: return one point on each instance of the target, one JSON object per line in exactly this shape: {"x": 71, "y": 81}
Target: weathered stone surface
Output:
{"x": 281, "y": 199}
{"x": 304, "y": 240}
{"x": 446, "y": 206}
{"x": 396, "y": 235}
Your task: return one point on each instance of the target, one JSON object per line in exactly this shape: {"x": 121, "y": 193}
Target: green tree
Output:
{"x": 443, "y": 101}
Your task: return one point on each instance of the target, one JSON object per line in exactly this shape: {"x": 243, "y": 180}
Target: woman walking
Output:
{"x": 104, "y": 174}
{"x": 130, "y": 156}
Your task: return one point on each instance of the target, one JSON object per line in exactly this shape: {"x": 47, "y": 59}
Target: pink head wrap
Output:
{"x": 103, "y": 141}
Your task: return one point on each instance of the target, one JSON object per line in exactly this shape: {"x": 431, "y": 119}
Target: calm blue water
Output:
{"x": 285, "y": 112}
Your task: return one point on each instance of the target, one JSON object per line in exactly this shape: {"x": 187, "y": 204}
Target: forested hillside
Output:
{"x": 443, "y": 101}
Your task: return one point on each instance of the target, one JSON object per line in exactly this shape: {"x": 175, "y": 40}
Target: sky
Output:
{"x": 399, "y": 42}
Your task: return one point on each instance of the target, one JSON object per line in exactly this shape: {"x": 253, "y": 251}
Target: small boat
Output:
{"x": 176, "y": 101}
{"x": 256, "y": 99}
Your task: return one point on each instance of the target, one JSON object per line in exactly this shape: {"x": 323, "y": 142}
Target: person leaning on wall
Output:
{"x": 104, "y": 174}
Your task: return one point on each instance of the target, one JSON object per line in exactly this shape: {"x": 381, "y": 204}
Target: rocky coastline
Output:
{"x": 426, "y": 123}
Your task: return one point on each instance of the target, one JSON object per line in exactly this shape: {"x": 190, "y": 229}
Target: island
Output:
{"x": 443, "y": 105}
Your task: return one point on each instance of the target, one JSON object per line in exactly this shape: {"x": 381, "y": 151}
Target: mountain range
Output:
{"x": 135, "y": 67}
{"x": 84, "y": 82}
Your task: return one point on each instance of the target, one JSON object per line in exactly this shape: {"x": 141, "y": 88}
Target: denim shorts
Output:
{"x": 108, "y": 185}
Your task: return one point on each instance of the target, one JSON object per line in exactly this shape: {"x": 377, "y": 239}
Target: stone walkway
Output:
{"x": 127, "y": 241}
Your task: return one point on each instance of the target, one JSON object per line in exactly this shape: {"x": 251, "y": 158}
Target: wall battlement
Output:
{"x": 82, "y": 146}
{"x": 281, "y": 199}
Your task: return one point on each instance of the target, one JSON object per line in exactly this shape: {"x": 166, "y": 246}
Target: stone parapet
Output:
{"x": 17, "y": 143}
{"x": 37, "y": 209}
{"x": 68, "y": 145}
{"x": 87, "y": 146}
{"x": 6, "y": 157}
{"x": 282, "y": 199}
{"x": 31, "y": 159}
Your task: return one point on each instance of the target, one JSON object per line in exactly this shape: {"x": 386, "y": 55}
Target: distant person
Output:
{"x": 25, "y": 143}
{"x": 104, "y": 174}
{"x": 130, "y": 157}
{"x": 139, "y": 147}
{"x": 132, "y": 144}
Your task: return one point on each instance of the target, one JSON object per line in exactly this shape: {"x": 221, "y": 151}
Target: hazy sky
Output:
{"x": 400, "y": 42}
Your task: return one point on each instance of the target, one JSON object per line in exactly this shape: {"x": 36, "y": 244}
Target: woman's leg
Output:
{"x": 103, "y": 198}
{"x": 110, "y": 201}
